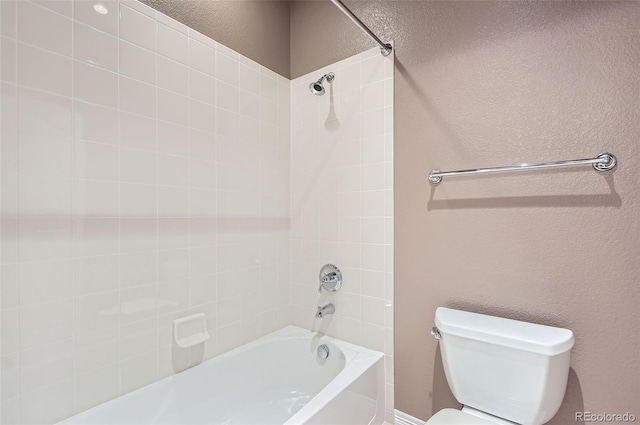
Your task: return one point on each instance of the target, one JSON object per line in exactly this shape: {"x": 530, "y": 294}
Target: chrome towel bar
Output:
{"x": 603, "y": 162}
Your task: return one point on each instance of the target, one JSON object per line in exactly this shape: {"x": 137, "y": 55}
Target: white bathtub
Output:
{"x": 277, "y": 379}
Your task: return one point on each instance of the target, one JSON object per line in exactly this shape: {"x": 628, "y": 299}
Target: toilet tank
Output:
{"x": 514, "y": 370}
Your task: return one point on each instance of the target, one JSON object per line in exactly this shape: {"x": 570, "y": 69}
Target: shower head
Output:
{"x": 317, "y": 88}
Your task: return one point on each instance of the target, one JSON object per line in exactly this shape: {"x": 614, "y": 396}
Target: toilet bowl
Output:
{"x": 502, "y": 371}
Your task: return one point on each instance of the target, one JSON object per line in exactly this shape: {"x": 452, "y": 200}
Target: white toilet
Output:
{"x": 503, "y": 371}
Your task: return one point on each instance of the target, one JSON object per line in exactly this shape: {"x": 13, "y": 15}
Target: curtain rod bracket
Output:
{"x": 385, "y": 48}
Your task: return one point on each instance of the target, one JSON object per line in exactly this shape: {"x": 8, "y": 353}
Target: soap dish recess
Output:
{"x": 191, "y": 330}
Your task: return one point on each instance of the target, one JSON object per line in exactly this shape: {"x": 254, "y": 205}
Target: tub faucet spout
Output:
{"x": 327, "y": 309}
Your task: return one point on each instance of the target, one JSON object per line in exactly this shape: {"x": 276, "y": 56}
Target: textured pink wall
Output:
{"x": 257, "y": 29}
{"x": 498, "y": 83}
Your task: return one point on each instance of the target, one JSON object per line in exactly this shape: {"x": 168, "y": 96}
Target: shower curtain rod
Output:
{"x": 385, "y": 48}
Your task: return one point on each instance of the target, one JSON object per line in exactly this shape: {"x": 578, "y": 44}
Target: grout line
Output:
{"x": 73, "y": 221}
{"x": 188, "y": 141}
{"x": 17, "y": 138}
{"x": 119, "y": 156}
{"x": 49, "y": 10}
{"x": 157, "y": 284}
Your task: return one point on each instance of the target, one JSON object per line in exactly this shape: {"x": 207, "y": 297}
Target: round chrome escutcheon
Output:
{"x": 330, "y": 278}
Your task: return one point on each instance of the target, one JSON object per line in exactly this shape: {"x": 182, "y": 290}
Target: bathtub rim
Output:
{"x": 358, "y": 360}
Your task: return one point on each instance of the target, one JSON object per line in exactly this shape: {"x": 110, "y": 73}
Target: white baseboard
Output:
{"x": 405, "y": 419}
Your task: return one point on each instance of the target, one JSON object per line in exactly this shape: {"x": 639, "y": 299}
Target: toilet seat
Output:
{"x": 461, "y": 417}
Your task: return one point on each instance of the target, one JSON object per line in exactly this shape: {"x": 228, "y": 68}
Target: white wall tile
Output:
{"x": 92, "y": 275}
{"x": 173, "y": 201}
{"x": 201, "y": 261}
{"x": 9, "y": 327}
{"x": 96, "y": 161}
{"x": 95, "y": 47}
{"x": 202, "y": 174}
{"x": 44, "y": 196}
{"x": 173, "y": 170}
{"x": 138, "y": 132}
{"x": 88, "y": 394}
{"x": 138, "y": 234}
{"x": 202, "y": 289}
{"x": 138, "y": 372}
{"x": 45, "y": 323}
{"x": 45, "y": 365}
{"x": 227, "y": 69}
{"x": 138, "y": 166}
{"x": 201, "y": 57}
{"x": 138, "y": 200}
{"x": 268, "y": 88}
{"x": 95, "y": 123}
{"x": 44, "y": 239}
{"x": 9, "y": 195}
{"x": 93, "y": 198}
{"x": 45, "y": 281}
{"x": 137, "y": 97}
{"x": 9, "y": 286}
{"x": 137, "y": 28}
{"x": 373, "y": 150}
{"x": 137, "y": 63}
{"x": 9, "y": 243}
{"x": 172, "y": 296}
{"x": 203, "y": 145}
{"x": 9, "y": 379}
{"x": 372, "y": 123}
{"x": 173, "y": 233}
{"x": 9, "y": 118}
{"x": 172, "y": 75}
{"x": 63, "y": 7}
{"x": 138, "y": 303}
{"x": 172, "y": 43}
{"x": 44, "y": 113}
{"x": 44, "y": 155}
{"x": 373, "y": 177}
{"x": 249, "y": 104}
{"x": 202, "y": 116}
{"x": 85, "y": 13}
{"x": 138, "y": 269}
{"x": 173, "y": 139}
{"x": 95, "y": 312}
{"x": 96, "y": 350}
{"x": 138, "y": 338}
{"x": 8, "y": 10}
{"x": 44, "y": 28}
{"x": 95, "y": 85}
{"x": 173, "y": 107}
{"x": 249, "y": 79}
{"x": 202, "y": 86}
{"x": 227, "y": 96}
{"x": 44, "y": 70}
{"x": 9, "y": 58}
{"x": 227, "y": 123}
{"x": 95, "y": 236}
{"x": 47, "y": 404}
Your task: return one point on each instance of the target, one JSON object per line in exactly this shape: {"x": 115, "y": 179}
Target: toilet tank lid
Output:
{"x": 546, "y": 340}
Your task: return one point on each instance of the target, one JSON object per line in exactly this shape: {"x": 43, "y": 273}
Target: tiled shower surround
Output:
{"x": 342, "y": 202}
{"x": 146, "y": 176}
